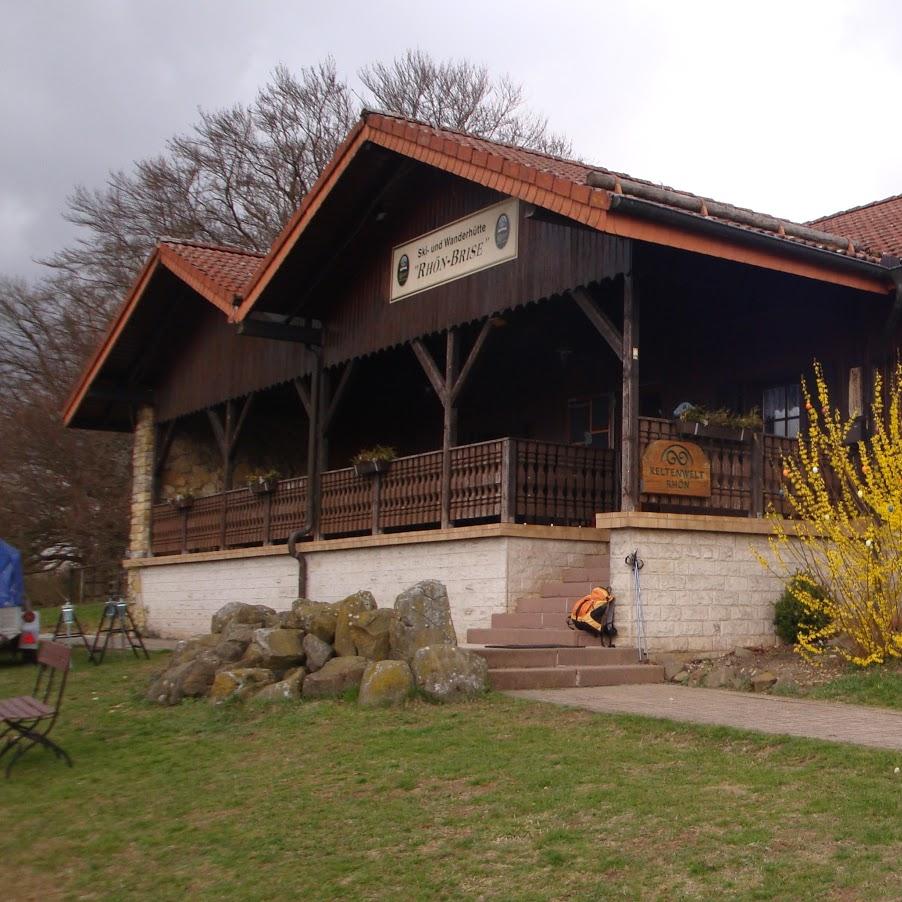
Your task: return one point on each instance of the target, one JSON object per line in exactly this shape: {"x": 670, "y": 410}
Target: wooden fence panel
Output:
{"x": 411, "y": 492}
{"x": 563, "y": 484}
{"x": 166, "y": 529}
{"x": 476, "y": 481}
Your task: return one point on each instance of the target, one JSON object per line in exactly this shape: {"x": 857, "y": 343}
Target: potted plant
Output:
{"x": 720, "y": 423}
{"x": 263, "y": 482}
{"x": 373, "y": 460}
{"x": 182, "y": 501}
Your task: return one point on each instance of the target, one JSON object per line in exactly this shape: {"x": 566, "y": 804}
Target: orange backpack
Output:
{"x": 594, "y": 613}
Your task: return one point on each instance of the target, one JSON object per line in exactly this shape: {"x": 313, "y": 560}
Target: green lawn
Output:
{"x": 498, "y": 799}
{"x": 881, "y": 686}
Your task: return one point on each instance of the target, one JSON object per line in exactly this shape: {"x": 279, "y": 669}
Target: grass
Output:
{"x": 880, "y": 686}
{"x": 497, "y": 799}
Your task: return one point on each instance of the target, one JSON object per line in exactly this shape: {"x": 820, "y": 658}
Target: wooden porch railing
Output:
{"x": 506, "y": 480}
{"x": 746, "y": 473}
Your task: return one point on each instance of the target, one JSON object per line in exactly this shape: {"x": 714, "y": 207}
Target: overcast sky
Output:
{"x": 786, "y": 107}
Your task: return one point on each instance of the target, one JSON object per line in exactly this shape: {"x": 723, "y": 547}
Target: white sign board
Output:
{"x": 469, "y": 245}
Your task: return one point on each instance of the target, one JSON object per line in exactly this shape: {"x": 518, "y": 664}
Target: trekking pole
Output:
{"x": 635, "y": 563}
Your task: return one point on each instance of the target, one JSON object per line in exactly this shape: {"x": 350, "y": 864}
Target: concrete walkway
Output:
{"x": 832, "y": 721}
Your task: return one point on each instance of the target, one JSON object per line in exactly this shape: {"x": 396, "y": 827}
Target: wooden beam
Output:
{"x": 461, "y": 380}
{"x": 303, "y": 394}
{"x": 259, "y": 328}
{"x": 432, "y": 371}
{"x": 608, "y": 331}
{"x": 165, "y": 436}
{"x": 449, "y": 422}
{"x": 314, "y": 464}
{"x": 218, "y": 432}
{"x": 236, "y": 432}
{"x": 629, "y": 430}
{"x": 335, "y": 400}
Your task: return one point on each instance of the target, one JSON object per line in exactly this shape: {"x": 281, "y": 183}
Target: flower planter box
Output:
{"x": 371, "y": 467}
{"x": 263, "y": 486}
{"x": 710, "y": 430}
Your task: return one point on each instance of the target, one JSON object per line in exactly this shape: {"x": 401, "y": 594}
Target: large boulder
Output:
{"x": 231, "y": 651}
{"x": 287, "y": 689}
{"x": 279, "y": 649}
{"x": 317, "y": 652}
{"x": 371, "y": 632}
{"x": 188, "y": 649}
{"x": 385, "y": 683}
{"x": 423, "y": 618}
{"x": 191, "y": 679}
{"x": 348, "y": 608}
{"x": 446, "y": 672}
{"x": 316, "y": 617}
{"x": 239, "y": 632}
{"x": 335, "y": 677}
{"x": 239, "y": 612}
{"x": 239, "y": 683}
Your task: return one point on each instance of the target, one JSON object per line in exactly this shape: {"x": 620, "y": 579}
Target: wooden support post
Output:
{"x": 629, "y": 434}
{"x": 376, "y": 527}
{"x": 509, "y": 480}
{"x": 448, "y": 389}
{"x": 756, "y": 507}
{"x": 449, "y": 424}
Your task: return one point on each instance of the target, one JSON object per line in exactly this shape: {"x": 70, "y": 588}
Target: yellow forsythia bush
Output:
{"x": 846, "y": 532}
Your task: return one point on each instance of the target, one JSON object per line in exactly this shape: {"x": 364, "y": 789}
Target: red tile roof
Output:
{"x": 217, "y": 273}
{"x": 571, "y": 188}
{"x": 877, "y": 224}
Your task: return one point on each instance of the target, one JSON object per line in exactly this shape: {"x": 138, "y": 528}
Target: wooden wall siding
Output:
{"x": 564, "y": 484}
{"x": 552, "y": 258}
{"x": 211, "y": 362}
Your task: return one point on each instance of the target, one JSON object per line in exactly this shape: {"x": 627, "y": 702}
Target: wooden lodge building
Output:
{"x": 520, "y": 328}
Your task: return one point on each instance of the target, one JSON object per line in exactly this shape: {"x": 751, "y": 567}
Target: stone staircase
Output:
{"x": 533, "y": 648}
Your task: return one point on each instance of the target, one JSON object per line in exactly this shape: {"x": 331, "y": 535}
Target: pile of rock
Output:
{"x": 322, "y": 650}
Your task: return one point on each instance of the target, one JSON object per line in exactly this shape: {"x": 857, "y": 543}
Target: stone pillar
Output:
{"x": 142, "y": 483}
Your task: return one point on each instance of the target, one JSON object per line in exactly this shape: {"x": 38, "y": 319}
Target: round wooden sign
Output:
{"x": 671, "y": 467}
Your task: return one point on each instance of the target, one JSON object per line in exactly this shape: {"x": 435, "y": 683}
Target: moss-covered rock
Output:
{"x": 385, "y": 683}
{"x": 239, "y": 683}
{"x": 447, "y": 673}
{"x": 336, "y": 677}
{"x": 349, "y": 608}
{"x": 423, "y": 618}
{"x": 371, "y": 632}
{"x": 316, "y": 617}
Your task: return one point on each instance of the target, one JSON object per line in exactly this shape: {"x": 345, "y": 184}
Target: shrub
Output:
{"x": 793, "y": 613}
{"x": 846, "y": 499}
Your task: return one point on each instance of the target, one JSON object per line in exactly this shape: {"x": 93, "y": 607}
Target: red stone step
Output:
{"x": 570, "y": 677}
{"x": 525, "y": 637}
{"x": 544, "y": 605}
{"x": 573, "y": 590}
{"x": 555, "y": 620}
{"x": 600, "y": 576}
{"x": 552, "y": 657}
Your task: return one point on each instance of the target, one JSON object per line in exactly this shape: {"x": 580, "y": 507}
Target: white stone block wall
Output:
{"x": 483, "y": 576}
{"x": 179, "y": 599}
{"x": 700, "y": 590}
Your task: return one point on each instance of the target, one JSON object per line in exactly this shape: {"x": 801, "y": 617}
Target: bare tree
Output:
{"x": 460, "y": 95}
{"x": 234, "y": 179}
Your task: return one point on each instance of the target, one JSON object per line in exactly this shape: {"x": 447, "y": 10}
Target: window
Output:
{"x": 589, "y": 421}
{"x": 782, "y": 410}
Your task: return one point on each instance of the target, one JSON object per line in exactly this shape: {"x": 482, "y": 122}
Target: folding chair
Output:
{"x": 28, "y": 719}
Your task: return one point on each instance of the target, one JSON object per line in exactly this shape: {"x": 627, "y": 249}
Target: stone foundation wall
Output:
{"x": 701, "y": 591}
{"x": 483, "y": 575}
